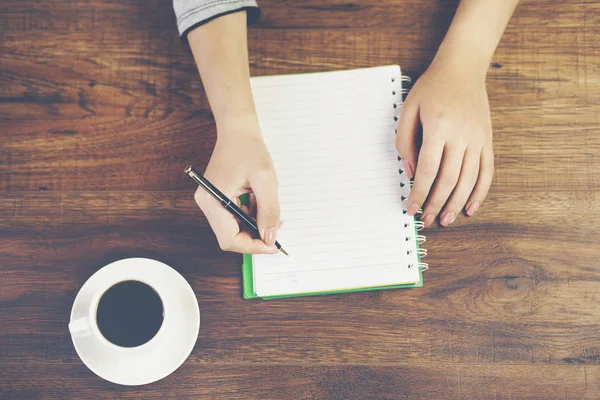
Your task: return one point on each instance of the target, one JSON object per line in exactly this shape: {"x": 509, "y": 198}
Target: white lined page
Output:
{"x": 331, "y": 137}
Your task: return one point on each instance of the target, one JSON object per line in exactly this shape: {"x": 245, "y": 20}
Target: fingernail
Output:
{"x": 408, "y": 168}
{"x": 428, "y": 220}
{"x": 473, "y": 208}
{"x": 412, "y": 209}
{"x": 280, "y": 223}
{"x": 270, "y": 236}
{"x": 448, "y": 218}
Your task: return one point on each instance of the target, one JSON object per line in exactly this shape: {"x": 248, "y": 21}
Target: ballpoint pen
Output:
{"x": 227, "y": 203}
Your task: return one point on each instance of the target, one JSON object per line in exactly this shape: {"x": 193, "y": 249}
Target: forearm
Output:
{"x": 220, "y": 49}
{"x": 475, "y": 33}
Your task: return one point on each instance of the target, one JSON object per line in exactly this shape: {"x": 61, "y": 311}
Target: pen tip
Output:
{"x": 188, "y": 169}
{"x": 283, "y": 251}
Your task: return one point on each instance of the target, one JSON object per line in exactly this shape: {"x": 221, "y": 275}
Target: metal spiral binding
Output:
{"x": 419, "y": 225}
{"x": 420, "y": 252}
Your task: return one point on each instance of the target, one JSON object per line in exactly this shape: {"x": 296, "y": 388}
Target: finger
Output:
{"x": 484, "y": 180}
{"x": 406, "y": 137}
{"x": 228, "y": 234}
{"x": 250, "y": 208}
{"x": 243, "y": 242}
{"x": 264, "y": 186}
{"x": 464, "y": 187}
{"x": 445, "y": 183}
{"x": 223, "y": 224}
{"x": 427, "y": 168}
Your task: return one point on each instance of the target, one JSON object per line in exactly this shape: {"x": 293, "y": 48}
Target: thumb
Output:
{"x": 264, "y": 186}
{"x": 406, "y": 137}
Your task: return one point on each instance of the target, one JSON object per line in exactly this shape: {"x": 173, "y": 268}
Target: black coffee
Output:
{"x": 130, "y": 313}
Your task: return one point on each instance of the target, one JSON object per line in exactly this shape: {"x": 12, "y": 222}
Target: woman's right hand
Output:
{"x": 240, "y": 163}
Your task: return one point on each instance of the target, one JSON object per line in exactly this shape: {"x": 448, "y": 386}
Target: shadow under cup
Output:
{"x": 129, "y": 313}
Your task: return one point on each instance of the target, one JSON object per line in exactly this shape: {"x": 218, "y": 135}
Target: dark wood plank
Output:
{"x": 282, "y": 382}
{"x": 100, "y": 109}
{"x": 545, "y": 152}
{"x": 415, "y": 15}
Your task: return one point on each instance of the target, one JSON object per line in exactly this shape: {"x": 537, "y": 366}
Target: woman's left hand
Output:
{"x": 454, "y": 164}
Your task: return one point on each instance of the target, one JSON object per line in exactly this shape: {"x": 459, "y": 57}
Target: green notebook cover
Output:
{"x": 248, "y": 282}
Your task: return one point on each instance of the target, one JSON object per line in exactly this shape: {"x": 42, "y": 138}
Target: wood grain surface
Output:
{"x": 101, "y": 108}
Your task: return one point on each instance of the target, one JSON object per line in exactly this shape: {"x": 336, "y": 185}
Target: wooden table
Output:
{"x": 102, "y": 108}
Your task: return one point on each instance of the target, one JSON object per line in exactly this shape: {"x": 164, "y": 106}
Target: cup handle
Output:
{"x": 80, "y": 327}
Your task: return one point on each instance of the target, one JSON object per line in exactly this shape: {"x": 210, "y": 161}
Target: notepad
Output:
{"x": 342, "y": 187}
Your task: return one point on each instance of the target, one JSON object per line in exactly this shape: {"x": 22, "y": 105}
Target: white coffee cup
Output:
{"x": 163, "y": 353}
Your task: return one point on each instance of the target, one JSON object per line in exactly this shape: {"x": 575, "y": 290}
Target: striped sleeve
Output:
{"x": 192, "y": 13}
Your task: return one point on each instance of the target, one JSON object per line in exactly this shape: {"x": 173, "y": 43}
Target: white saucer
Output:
{"x": 166, "y": 351}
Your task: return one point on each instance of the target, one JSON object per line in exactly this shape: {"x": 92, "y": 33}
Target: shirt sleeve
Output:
{"x": 192, "y": 13}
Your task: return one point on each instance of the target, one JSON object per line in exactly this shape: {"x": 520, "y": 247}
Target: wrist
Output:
{"x": 474, "y": 35}
{"x": 242, "y": 124}
{"x": 463, "y": 57}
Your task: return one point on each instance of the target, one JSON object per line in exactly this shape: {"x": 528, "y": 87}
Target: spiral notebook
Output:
{"x": 342, "y": 187}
